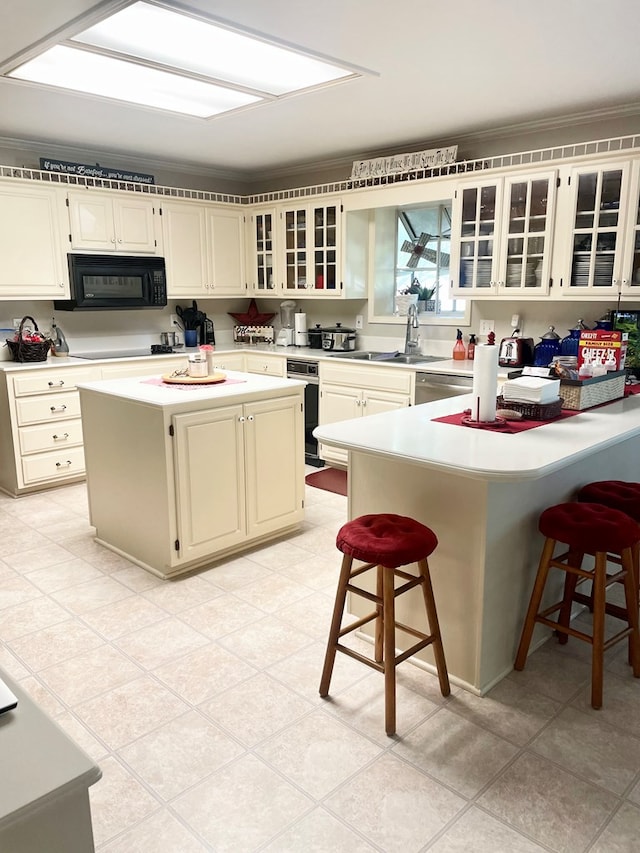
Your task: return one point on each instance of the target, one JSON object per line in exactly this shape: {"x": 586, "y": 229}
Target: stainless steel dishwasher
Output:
{"x": 298, "y": 369}
{"x": 439, "y": 386}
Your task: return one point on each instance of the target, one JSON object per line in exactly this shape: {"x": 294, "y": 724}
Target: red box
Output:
{"x": 599, "y": 345}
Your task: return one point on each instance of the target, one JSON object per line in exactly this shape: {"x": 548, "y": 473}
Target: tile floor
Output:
{"x": 199, "y": 700}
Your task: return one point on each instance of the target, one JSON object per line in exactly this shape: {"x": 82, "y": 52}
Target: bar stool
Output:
{"x": 586, "y": 528}
{"x": 623, "y": 496}
{"x": 385, "y": 542}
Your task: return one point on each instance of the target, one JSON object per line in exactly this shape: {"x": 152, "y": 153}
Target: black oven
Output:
{"x": 308, "y": 370}
{"x": 111, "y": 282}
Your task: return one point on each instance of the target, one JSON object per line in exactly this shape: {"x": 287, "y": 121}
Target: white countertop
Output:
{"x": 144, "y": 390}
{"x": 411, "y": 435}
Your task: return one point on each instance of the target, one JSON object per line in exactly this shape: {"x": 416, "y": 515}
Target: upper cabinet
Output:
{"x": 262, "y": 247}
{"x": 593, "y": 263}
{"x": 311, "y": 251}
{"x": 631, "y": 257}
{"x": 204, "y": 250}
{"x": 32, "y": 248}
{"x": 113, "y": 222}
{"x": 501, "y": 236}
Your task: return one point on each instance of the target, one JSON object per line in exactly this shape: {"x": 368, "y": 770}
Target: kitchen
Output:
{"x": 88, "y": 611}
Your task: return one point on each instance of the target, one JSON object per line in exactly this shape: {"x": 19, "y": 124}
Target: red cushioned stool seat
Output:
{"x": 586, "y": 528}
{"x": 385, "y": 542}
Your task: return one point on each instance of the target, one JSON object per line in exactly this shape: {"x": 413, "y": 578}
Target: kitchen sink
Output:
{"x": 386, "y": 357}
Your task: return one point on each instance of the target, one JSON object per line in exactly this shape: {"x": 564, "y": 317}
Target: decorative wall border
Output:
{"x": 525, "y": 158}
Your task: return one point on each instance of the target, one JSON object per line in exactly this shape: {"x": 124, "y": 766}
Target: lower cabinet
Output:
{"x": 348, "y": 392}
{"x": 237, "y": 478}
{"x": 41, "y": 439}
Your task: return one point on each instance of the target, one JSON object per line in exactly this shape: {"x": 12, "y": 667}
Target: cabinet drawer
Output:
{"x": 55, "y": 436}
{"x": 378, "y": 378}
{"x": 266, "y": 365}
{"x": 230, "y": 361}
{"x": 53, "y": 466}
{"x": 51, "y": 381}
{"x": 35, "y": 410}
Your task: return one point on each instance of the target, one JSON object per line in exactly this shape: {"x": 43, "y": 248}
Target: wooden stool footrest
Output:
{"x": 358, "y": 624}
{"x": 358, "y": 656}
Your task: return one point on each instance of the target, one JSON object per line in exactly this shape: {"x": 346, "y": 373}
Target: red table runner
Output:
{"x": 155, "y": 380}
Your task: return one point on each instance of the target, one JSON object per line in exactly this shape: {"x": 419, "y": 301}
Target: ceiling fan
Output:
{"x": 419, "y": 249}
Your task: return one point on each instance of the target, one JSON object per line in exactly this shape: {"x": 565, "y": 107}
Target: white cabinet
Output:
{"x": 631, "y": 258}
{"x": 113, "y": 222}
{"x": 592, "y": 263}
{"x": 265, "y": 363}
{"x": 348, "y": 392}
{"x": 41, "y": 443}
{"x": 229, "y": 361}
{"x": 204, "y": 250}
{"x": 33, "y": 262}
{"x": 262, "y": 251}
{"x": 502, "y": 230}
{"x": 311, "y": 249}
{"x": 202, "y": 478}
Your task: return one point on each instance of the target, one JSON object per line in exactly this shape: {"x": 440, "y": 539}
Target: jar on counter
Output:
{"x": 545, "y": 351}
{"x": 198, "y": 364}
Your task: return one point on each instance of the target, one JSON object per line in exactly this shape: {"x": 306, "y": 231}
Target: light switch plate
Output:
{"x": 487, "y": 326}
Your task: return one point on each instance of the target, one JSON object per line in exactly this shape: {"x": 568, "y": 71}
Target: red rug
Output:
{"x": 329, "y": 479}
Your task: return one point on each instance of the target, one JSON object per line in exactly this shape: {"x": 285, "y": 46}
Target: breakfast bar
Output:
{"x": 481, "y": 492}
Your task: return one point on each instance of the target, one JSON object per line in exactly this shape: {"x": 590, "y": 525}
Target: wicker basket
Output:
{"x": 579, "y": 395}
{"x": 22, "y": 350}
{"x": 533, "y": 411}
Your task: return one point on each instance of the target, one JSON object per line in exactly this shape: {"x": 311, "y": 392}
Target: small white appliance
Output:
{"x": 286, "y": 337}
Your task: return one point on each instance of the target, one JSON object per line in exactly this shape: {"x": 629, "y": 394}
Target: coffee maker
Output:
{"x": 287, "y": 334}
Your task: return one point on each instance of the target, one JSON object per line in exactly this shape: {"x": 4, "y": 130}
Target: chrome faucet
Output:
{"x": 412, "y": 338}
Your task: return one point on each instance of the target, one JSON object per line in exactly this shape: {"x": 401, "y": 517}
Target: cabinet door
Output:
{"x": 296, "y": 250}
{"x": 268, "y": 365}
{"x": 91, "y": 221}
{"x": 229, "y": 361}
{"x": 135, "y": 225}
{"x": 376, "y": 402}
{"x": 631, "y": 258}
{"x": 324, "y": 221}
{"x": 474, "y": 238}
{"x": 599, "y": 196}
{"x": 262, "y": 251}
{"x": 274, "y": 444}
{"x": 339, "y": 403}
{"x": 185, "y": 237}
{"x": 31, "y": 219}
{"x": 210, "y": 483}
{"x": 225, "y": 250}
{"x": 525, "y": 245}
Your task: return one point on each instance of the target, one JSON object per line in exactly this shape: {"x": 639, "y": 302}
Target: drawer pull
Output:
{"x": 58, "y": 408}
{"x": 63, "y": 464}
{"x": 59, "y": 384}
{"x": 61, "y": 437}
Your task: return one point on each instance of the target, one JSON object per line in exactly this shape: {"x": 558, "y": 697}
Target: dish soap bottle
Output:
{"x": 471, "y": 348}
{"x": 458, "y": 348}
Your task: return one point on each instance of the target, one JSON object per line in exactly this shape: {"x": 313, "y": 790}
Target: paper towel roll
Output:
{"x": 485, "y": 383}
{"x": 300, "y": 329}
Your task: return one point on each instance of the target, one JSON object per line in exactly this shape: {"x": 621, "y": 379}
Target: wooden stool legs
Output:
{"x": 385, "y": 657}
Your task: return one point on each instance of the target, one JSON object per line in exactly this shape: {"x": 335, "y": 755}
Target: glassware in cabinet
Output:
{"x": 474, "y": 236}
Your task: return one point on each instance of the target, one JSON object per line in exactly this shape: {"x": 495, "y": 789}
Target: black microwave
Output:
{"x": 110, "y": 282}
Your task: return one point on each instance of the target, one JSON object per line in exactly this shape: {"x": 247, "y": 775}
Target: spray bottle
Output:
{"x": 459, "y": 352}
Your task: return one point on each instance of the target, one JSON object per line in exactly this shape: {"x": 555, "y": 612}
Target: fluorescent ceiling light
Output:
{"x": 160, "y": 35}
{"x": 113, "y": 78}
{"x": 149, "y": 54}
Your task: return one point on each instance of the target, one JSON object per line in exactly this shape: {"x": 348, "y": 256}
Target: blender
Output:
{"x": 286, "y": 335}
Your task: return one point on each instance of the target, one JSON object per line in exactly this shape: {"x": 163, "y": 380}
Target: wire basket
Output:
{"x": 533, "y": 411}
{"x": 22, "y": 350}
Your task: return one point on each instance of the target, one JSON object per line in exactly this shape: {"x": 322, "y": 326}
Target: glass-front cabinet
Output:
{"x": 474, "y": 238}
{"x": 311, "y": 249}
{"x": 631, "y": 258}
{"x": 527, "y": 227}
{"x": 599, "y": 197}
{"x": 262, "y": 242}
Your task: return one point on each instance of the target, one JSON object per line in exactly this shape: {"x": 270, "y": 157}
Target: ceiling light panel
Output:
{"x": 83, "y": 71}
{"x": 159, "y": 35}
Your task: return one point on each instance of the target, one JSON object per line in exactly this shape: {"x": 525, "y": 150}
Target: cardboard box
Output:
{"x": 598, "y": 346}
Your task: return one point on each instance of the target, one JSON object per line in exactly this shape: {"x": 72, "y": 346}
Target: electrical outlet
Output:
{"x": 359, "y": 321}
{"x": 175, "y": 320}
{"x": 487, "y": 326}
{"x": 16, "y": 323}
{"x": 515, "y": 321}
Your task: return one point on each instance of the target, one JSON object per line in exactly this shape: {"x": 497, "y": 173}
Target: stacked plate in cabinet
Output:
{"x": 514, "y": 273}
{"x": 603, "y": 271}
{"x": 483, "y": 272}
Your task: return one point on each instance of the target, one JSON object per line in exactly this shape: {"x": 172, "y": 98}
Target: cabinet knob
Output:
{"x": 242, "y": 419}
{"x": 113, "y": 239}
{"x": 250, "y": 418}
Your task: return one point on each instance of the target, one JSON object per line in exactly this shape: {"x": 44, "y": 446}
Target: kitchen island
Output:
{"x": 179, "y": 476}
{"x": 482, "y": 493}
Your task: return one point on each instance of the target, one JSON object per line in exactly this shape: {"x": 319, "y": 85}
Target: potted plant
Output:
{"x": 407, "y": 297}
{"x": 426, "y": 302}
